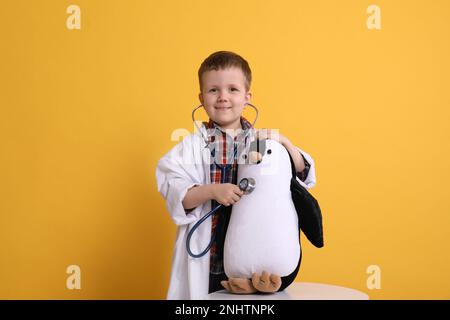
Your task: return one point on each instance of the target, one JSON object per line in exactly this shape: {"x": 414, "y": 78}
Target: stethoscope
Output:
{"x": 247, "y": 185}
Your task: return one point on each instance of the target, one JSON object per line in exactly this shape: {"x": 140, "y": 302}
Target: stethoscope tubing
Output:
{"x": 191, "y": 232}
{"x": 223, "y": 170}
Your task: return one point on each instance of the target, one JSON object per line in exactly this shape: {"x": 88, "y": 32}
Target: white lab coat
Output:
{"x": 185, "y": 165}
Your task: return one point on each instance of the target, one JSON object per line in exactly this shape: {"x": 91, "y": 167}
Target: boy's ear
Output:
{"x": 200, "y": 97}
{"x": 248, "y": 97}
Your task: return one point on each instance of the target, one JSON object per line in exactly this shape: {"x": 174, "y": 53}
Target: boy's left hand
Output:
{"x": 264, "y": 134}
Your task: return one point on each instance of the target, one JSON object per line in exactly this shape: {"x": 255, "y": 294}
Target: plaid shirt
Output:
{"x": 227, "y": 153}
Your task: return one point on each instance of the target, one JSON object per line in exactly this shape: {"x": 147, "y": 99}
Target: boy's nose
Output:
{"x": 222, "y": 96}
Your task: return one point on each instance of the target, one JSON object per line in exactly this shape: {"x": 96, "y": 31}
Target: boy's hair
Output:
{"x": 222, "y": 60}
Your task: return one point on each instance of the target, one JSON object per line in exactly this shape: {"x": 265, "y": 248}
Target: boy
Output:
{"x": 191, "y": 183}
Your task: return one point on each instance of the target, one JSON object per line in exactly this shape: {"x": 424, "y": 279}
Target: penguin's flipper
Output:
{"x": 308, "y": 210}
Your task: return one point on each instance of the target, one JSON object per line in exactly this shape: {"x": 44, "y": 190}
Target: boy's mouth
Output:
{"x": 222, "y": 108}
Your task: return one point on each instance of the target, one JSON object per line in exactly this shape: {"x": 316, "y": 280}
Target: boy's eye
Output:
{"x": 232, "y": 89}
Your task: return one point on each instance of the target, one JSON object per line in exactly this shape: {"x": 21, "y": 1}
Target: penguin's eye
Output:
{"x": 269, "y": 151}
{"x": 244, "y": 156}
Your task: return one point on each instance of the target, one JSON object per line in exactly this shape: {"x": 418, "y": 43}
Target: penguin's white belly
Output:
{"x": 263, "y": 233}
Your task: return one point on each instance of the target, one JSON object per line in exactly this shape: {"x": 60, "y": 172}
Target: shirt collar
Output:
{"x": 213, "y": 125}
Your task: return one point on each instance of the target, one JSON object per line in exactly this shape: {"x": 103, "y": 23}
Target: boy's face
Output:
{"x": 224, "y": 96}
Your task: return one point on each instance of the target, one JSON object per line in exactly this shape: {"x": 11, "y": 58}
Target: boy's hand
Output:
{"x": 226, "y": 193}
{"x": 264, "y": 134}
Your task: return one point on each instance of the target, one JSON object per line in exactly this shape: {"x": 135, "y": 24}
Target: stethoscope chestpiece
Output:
{"x": 247, "y": 185}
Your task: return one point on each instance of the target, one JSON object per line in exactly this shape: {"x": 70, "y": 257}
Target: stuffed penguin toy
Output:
{"x": 262, "y": 250}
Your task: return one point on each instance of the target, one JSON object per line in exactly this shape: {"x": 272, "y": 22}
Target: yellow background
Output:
{"x": 86, "y": 114}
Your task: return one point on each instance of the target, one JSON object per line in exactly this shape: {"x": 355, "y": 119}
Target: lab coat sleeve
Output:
{"x": 176, "y": 172}
{"x": 310, "y": 180}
